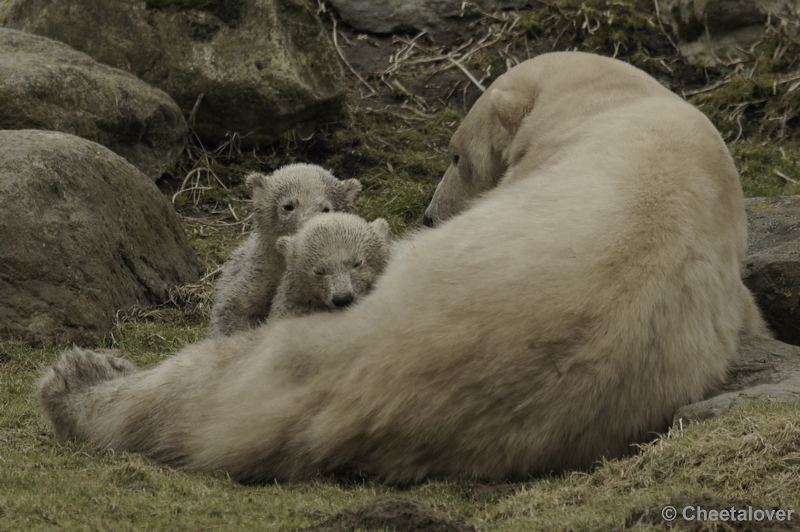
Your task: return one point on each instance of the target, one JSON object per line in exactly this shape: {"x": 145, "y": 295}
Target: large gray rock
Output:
{"x": 772, "y": 267}
{"x": 711, "y": 29}
{"x": 393, "y": 16}
{"x": 45, "y": 84}
{"x": 83, "y": 234}
{"x": 4, "y": 5}
{"x": 262, "y": 66}
{"x": 766, "y": 370}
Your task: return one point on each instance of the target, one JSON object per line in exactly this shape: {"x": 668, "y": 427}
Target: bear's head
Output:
{"x": 334, "y": 260}
{"x": 290, "y": 196}
{"x": 479, "y": 149}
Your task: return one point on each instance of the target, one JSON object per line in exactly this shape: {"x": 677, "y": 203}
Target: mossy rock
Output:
{"x": 47, "y": 85}
{"x": 85, "y": 235}
{"x": 255, "y": 67}
{"x": 710, "y": 30}
{"x": 772, "y": 267}
{"x": 227, "y": 11}
{"x": 396, "y": 16}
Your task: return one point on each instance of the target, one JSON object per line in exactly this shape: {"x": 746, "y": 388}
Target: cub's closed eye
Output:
{"x": 288, "y": 207}
{"x": 319, "y": 272}
{"x": 357, "y": 264}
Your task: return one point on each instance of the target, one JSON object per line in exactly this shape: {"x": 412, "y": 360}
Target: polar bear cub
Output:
{"x": 331, "y": 263}
{"x": 283, "y": 202}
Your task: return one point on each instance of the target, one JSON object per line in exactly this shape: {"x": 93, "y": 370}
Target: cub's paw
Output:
{"x": 62, "y": 389}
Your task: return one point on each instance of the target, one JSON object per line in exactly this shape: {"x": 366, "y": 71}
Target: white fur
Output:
{"x": 332, "y": 258}
{"x": 561, "y": 318}
{"x": 247, "y": 285}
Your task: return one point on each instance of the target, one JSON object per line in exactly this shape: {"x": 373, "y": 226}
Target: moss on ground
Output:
{"x": 762, "y": 164}
{"x": 608, "y": 27}
{"x": 227, "y": 11}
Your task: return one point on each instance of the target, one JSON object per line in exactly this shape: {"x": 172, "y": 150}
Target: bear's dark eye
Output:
{"x": 319, "y": 272}
{"x": 326, "y": 209}
{"x": 357, "y": 264}
{"x": 456, "y": 158}
{"x": 288, "y": 207}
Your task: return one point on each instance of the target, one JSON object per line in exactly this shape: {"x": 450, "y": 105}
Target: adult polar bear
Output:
{"x": 560, "y": 318}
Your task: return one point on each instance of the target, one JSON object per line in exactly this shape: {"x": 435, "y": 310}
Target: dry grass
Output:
{"x": 758, "y": 96}
{"x": 751, "y": 456}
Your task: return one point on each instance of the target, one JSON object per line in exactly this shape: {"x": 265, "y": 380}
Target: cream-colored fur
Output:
{"x": 562, "y": 317}
{"x": 331, "y": 263}
{"x": 283, "y": 202}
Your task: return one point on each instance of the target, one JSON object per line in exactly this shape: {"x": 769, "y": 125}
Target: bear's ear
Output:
{"x": 510, "y": 107}
{"x": 352, "y": 190}
{"x": 255, "y": 183}
{"x": 284, "y": 246}
{"x": 381, "y": 228}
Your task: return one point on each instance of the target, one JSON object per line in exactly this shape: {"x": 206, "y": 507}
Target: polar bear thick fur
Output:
{"x": 331, "y": 263}
{"x": 560, "y": 318}
{"x": 282, "y": 202}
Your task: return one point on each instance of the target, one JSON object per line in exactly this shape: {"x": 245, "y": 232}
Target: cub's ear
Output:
{"x": 284, "y": 245}
{"x": 510, "y": 107}
{"x": 352, "y": 190}
{"x": 381, "y": 228}
{"x": 256, "y": 183}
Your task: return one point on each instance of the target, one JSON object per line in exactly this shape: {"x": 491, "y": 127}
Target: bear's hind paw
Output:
{"x": 61, "y": 389}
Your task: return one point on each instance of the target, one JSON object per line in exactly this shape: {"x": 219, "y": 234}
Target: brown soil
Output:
{"x": 391, "y": 513}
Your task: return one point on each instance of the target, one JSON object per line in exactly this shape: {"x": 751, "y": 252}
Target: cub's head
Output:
{"x": 291, "y": 195}
{"x": 334, "y": 260}
{"x": 479, "y": 148}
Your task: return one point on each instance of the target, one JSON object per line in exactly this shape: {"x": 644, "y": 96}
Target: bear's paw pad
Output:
{"x": 79, "y": 369}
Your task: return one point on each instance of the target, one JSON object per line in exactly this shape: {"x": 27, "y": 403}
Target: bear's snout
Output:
{"x": 343, "y": 300}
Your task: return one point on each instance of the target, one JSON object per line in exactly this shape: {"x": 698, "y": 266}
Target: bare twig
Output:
{"x": 193, "y": 114}
{"x": 707, "y": 89}
{"x": 559, "y": 36}
{"x": 708, "y": 42}
{"x": 217, "y": 225}
{"x": 418, "y": 113}
{"x": 661, "y": 25}
{"x": 235, "y": 217}
{"x": 468, "y": 74}
{"x": 741, "y": 130}
{"x": 346, "y": 62}
{"x": 787, "y": 178}
{"x": 211, "y": 274}
{"x": 410, "y": 46}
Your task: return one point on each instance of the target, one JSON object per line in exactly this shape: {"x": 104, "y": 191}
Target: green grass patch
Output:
{"x": 768, "y": 169}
